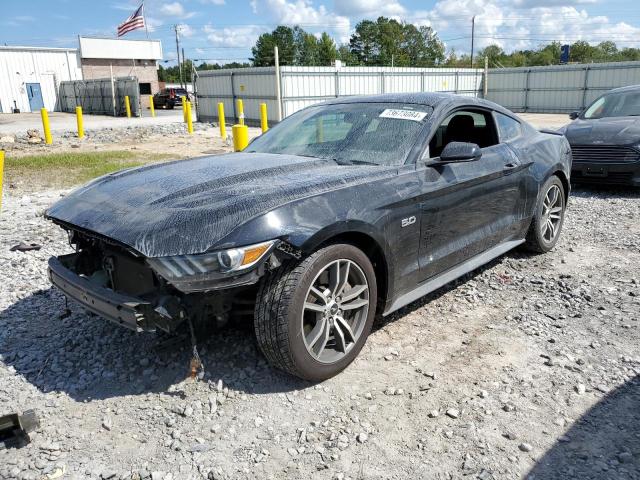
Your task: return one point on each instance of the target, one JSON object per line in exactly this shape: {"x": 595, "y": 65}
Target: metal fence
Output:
{"x": 304, "y": 86}
{"x": 100, "y": 96}
{"x": 560, "y": 88}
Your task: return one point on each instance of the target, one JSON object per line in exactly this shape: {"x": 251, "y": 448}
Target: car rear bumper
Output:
{"x": 128, "y": 311}
{"x": 606, "y": 173}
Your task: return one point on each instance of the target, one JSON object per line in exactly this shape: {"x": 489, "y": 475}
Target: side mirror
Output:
{"x": 574, "y": 115}
{"x": 460, "y": 152}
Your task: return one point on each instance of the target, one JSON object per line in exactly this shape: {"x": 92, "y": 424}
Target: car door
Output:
{"x": 471, "y": 205}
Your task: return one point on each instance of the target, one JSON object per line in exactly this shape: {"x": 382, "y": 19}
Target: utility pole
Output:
{"x": 175, "y": 29}
{"x": 473, "y": 33}
{"x": 278, "y": 91}
{"x": 184, "y": 64}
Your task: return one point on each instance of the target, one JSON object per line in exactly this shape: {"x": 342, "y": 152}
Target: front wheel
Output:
{"x": 313, "y": 318}
{"x": 548, "y": 218}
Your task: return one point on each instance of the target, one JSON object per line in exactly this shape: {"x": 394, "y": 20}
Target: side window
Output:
{"x": 508, "y": 128}
{"x": 471, "y": 126}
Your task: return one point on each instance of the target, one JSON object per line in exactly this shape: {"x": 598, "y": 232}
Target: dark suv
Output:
{"x": 170, "y": 98}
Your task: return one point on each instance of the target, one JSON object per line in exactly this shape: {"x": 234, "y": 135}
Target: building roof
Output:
{"x": 36, "y": 49}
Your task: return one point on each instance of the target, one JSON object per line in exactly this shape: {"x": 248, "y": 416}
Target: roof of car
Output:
{"x": 628, "y": 88}
{"x": 432, "y": 99}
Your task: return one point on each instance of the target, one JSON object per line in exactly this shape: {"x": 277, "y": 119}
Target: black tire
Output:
{"x": 279, "y": 312}
{"x": 536, "y": 240}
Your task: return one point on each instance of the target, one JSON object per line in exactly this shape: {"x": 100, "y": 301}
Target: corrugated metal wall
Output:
{"x": 96, "y": 96}
{"x": 304, "y": 86}
{"x": 558, "y": 88}
{"x": 48, "y": 67}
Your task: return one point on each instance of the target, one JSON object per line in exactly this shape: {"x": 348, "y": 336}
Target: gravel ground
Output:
{"x": 528, "y": 368}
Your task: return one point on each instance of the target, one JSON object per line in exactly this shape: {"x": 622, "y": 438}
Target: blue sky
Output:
{"x": 225, "y": 30}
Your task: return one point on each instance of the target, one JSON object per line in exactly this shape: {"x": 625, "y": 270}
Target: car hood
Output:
{"x": 604, "y": 131}
{"x": 186, "y": 206}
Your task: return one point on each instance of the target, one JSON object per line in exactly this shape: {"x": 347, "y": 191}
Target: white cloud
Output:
{"x": 176, "y": 10}
{"x": 237, "y": 37}
{"x": 305, "y": 14}
{"x": 213, "y": 2}
{"x": 152, "y": 23}
{"x": 514, "y": 27}
{"x": 550, "y": 3}
{"x": 369, "y": 8}
{"x": 185, "y": 30}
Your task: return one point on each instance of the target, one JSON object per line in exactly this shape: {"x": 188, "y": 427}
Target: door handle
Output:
{"x": 509, "y": 168}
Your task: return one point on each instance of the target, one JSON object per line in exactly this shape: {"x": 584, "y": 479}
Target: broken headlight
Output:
{"x": 195, "y": 272}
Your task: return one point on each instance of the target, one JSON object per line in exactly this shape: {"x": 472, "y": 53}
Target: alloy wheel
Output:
{"x": 335, "y": 311}
{"x": 552, "y": 211}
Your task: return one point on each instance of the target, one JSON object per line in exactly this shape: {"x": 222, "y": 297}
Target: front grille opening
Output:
{"x": 604, "y": 153}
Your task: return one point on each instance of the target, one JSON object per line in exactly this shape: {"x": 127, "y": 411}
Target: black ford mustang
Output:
{"x": 344, "y": 210}
{"x": 605, "y": 139}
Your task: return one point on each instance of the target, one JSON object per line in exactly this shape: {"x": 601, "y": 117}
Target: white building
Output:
{"x": 29, "y": 76}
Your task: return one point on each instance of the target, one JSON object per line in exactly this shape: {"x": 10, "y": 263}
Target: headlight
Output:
{"x": 194, "y": 272}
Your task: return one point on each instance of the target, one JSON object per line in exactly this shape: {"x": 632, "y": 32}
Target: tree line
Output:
{"x": 387, "y": 42}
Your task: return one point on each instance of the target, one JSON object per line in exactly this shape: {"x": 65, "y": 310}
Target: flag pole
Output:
{"x": 146, "y": 28}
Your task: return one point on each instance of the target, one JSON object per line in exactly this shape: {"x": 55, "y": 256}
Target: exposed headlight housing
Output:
{"x": 190, "y": 273}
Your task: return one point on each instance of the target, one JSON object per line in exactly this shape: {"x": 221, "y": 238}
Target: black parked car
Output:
{"x": 344, "y": 210}
{"x": 170, "y": 98}
{"x": 605, "y": 139}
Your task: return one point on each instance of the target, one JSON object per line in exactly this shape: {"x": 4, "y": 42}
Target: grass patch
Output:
{"x": 71, "y": 168}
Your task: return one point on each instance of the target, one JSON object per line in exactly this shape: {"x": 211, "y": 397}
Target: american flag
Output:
{"x": 134, "y": 22}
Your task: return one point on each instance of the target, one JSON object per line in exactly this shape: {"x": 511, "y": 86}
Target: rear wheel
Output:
{"x": 313, "y": 318}
{"x": 546, "y": 225}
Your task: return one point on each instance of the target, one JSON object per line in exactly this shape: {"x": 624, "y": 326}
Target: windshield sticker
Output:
{"x": 403, "y": 114}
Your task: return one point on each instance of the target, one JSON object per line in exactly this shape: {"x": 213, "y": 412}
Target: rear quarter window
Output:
{"x": 508, "y": 128}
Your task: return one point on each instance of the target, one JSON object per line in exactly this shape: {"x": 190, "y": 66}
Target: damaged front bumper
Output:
{"x": 125, "y": 310}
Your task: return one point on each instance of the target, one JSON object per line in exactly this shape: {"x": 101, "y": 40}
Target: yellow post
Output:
{"x": 127, "y": 105}
{"x": 1, "y": 174}
{"x": 152, "y": 106}
{"x": 184, "y": 109}
{"x": 240, "y": 137}
{"x": 264, "y": 122}
{"x": 223, "y": 126}
{"x": 45, "y": 126}
{"x": 240, "y": 107}
{"x": 79, "y": 121}
{"x": 189, "y": 119}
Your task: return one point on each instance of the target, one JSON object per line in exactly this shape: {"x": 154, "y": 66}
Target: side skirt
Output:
{"x": 451, "y": 274}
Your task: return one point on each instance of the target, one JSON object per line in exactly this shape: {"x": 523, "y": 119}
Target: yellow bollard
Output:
{"x": 79, "y": 121}
{"x": 45, "y": 126}
{"x": 240, "y": 137}
{"x": 1, "y": 174}
{"x": 152, "y": 107}
{"x": 223, "y": 126}
{"x": 240, "y": 107}
{"x": 264, "y": 122}
{"x": 184, "y": 109}
{"x": 127, "y": 106}
{"x": 189, "y": 119}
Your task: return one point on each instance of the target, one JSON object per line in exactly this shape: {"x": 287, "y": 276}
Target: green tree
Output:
{"x": 494, "y": 53}
{"x": 306, "y": 48}
{"x": 327, "y": 52}
{"x": 282, "y": 37}
{"x": 387, "y": 41}
{"x": 581, "y": 52}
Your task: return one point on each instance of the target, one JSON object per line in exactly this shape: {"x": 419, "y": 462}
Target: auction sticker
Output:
{"x": 403, "y": 114}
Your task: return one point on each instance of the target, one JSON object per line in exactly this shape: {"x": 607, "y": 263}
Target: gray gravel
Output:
{"x": 530, "y": 367}
{"x": 32, "y": 140}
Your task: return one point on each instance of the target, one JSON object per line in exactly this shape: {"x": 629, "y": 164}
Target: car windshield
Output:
{"x": 350, "y": 133}
{"x": 620, "y": 104}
